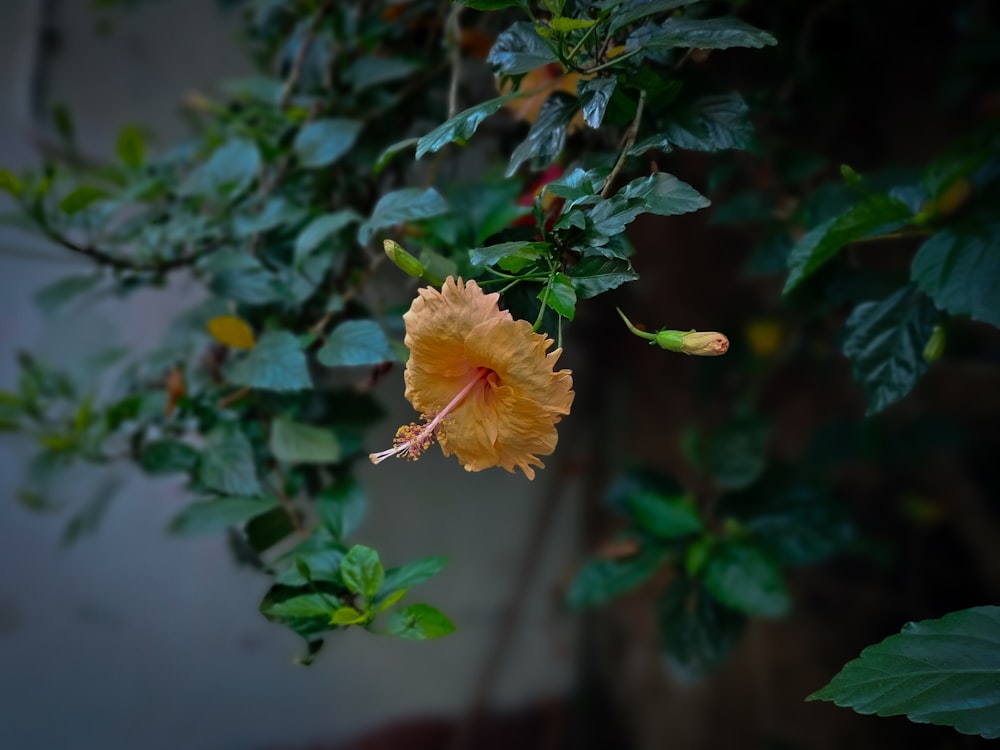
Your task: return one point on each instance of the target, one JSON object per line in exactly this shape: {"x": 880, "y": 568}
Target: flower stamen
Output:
{"x": 413, "y": 439}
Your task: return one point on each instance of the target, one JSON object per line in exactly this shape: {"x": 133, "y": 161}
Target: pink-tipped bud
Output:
{"x": 704, "y": 343}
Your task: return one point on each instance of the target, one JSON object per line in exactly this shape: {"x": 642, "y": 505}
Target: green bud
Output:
{"x": 699, "y": 343}
{"x": 672, "y": 341}
{"x": 406, "y": 262}
{"x": 934, "y": 347}
{"x": 851, "y": 177}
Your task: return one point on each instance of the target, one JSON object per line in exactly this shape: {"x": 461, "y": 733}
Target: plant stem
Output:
{"x": 627, "y": 143}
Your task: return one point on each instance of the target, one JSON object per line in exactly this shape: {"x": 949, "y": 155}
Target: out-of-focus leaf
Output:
{"x": 736, "y": 455}
{"x": 231, "y": 331}
{"x": 10, "y": 183}
{"x": 227, "y": 463}
{"x": 959, "y": 268}
{"x": 229, "y": 171}
{"x": 167, "y": 457}
{"x": 342, "y": 507}
{"x": 305, "y": 605}
{"x": 268, "y": 529}
{"x": 419, "y": 622}
{"x": 356, "y": 343}
{"x": 409, "y": 575}
{"x": 407, "y": 204}
{"x": 934, "y": 672}
{"x": 321, "y": 142}
{"x": 50, "y": 298}
{"x": 664, "y": 516}
{"x": 697, "y": 633}
{"x": 319, "y": 229}
{"x": 712, "y": 123}
{"x": 362, "y": 571}
{"x": 744, "y": 577}
{"x": 209, "y": 516}
{"x": 885, "y": 343}
{"x": 276, "y": 363}
{"x": 80, "y": 198}
{"x": 602, "y": 580}
{"x": 296, "y": 443}
{"x": 131, "y": 147}
{"x": 370, "y": 70}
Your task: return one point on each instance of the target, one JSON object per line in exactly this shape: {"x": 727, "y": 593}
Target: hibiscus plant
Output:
{"x": 353, "y": 156}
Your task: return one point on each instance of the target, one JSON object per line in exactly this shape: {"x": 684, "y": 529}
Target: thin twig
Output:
{"x": 454, "y": 30}
{"x": 104, "y": 258}
{"x": 627, "y": 143}
{"x": 233, "y": 397}
{"x": 320, "y": 325}
{"x": 301, "y": 53}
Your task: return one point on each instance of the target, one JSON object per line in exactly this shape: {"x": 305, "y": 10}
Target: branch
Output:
{"x": 118, "y": 263}
{"x": 300, "y": 54}
{"x": 627, "y": 143}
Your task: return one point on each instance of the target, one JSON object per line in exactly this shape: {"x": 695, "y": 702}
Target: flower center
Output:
{"x": 413, "y": 439}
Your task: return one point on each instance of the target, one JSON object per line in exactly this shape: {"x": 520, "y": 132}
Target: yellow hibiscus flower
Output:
{"x": 484, "y": 382}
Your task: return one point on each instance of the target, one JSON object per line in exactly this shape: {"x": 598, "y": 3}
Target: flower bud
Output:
{"x": 934, "y": 347}
{"x": 406, "y": 262}
{"x": 704, "y": 343}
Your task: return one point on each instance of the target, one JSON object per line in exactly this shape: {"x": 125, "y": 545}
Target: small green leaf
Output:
{"x": 167, "y": 456}
{"x": 631, "y": 11}
{"x": 229, "y": 171}
{"x": 885, "y": 343}
{"x": 872, "y": 215}
{"x": 131, "y": 147}
{"x": 318, "y": 558}
{"x": 743, "y": 577}
{"x": 10, "y": 183}
{"x": 407, "y": 576}
{"x": 407, "y": 204}
{"x": 370, "y": 70}
{"x": 276, "y": 363}
{"x": 595, "y": 93}
{"x": 602, "y": 580}
{"x": 391, "y": 600}
{"x": 319, "y": 229}
{"x": 362, "y": 571}
{"x": 342, "y": 507}
{"x": 664, "y": 516}
{"x": 462, "y": 126}
{"x": 296, "y": 443}
{"x": 419, "y": 622}
{"x": 959, "y": 268}
{"x": 664, "y": 195}
{"x": 347, "y": 616}
{"x": 944, "y": 671}
{"x": 207, "y": 516}
{"x": 356, "y": 343}
{"x": 322, "y": 142}
{"x": 227, "y": 462}
{"x": 560, "y": 295}
{"x": 80, "y": 198}
{"x": 547, "y": 136}
{"x": 488, "y": 256}
{"x": 519, "y": 50}
{"x": 305, "y": 605}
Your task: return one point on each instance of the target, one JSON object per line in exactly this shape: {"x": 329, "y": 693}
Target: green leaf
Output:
{"x": 304, "y": 605}
{"x": 664, "y": 195}
{"x": 462, "y": 126}
{"x": 564, "y": 25}
{"x": 167, "y": 456}
{"x": 944, "y": 671}
{"x": 276, "y": 212}
{"x": 872, "y": 215}
{"x": 347, "y": 616}
{"x": 10, "y": 183}
{"x": 600, "y": 581}
{"x": 409, "y": 575}
{"x": 318, "y": 558}
{"x": 356, "y": 343}
{"x": 89, "y": 517}
{"x": 519, "y": 50}
{"x": 131, "y": 147}
{"x": 319, "y": 229}
{"x": 342, "y": 507}
{"x": 276, "y": 363}
{"x": 885, "y": 343}
{"x": 712, "y": 123}
{"x": 560, "y": 295}
{"x": 227, "y": 462}
{"x": 268, "y": 529}
{"x": 547, "y": 135}
{"x": 699, "y": 33}
{"x": 53, "y": 296}
{"x": 389, "y": 152}
{"x": 370, "y": 70}
{"x": 959, "y": 268}
{"x": 632, "y": 10}
{"x": 736, "y": 455}
{"x": 229, "y": 171}
{"x": 206, "y": 516}
{"x": 595, "y": 93}
{"x": 322, "y": 142}
{"x": 419, "y": 622}
{"x": 80, "y": 198}
{"x": 697, "y": 633}
{"x": 487, "y": 256}
{"x": 594, "y": 275}
{"x": 296, "y": 443}
{"x": 743, "y": 577}
{"x": 664, "y": 516}
{"x": 362, "y": 571}
{"x": 408, "y": 204}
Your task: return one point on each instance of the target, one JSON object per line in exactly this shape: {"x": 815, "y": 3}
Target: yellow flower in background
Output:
{"x": 485, "y": 383}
